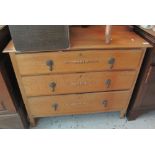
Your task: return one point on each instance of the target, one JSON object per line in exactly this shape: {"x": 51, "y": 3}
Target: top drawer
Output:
{"x": 77, "y": 61}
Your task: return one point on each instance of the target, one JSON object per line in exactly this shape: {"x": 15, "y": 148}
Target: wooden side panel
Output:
{"x": 78, "y": 104}
{"x": 15, "y": 66}
{"x": 78, "y": 83}
{"x": 77, "y": 61}
{"x": 123, "y": 112}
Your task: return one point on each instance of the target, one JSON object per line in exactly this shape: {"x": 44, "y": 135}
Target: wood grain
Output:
{"x": 93, "y": 38}
{"x": 77, "y": 61}
{"x": 78, "y": 103}
{"x": 78, "y": 83}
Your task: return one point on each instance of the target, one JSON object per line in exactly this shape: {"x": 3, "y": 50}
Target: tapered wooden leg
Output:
{"x": 32, "y": 122}
{"x": 122, "y": 113}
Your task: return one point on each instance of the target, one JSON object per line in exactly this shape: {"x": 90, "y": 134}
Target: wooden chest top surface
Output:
{"x": 93, "y": 38}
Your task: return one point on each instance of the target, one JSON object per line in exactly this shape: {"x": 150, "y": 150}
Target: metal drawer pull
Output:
{"x": 107, "y": 83}
{"x": 50, "y": 64}
{"x": 105, "y": 103}
{"x": 55, "y": 106}
{"x": 52, "y": 85}
{"x": 111, "y": 62}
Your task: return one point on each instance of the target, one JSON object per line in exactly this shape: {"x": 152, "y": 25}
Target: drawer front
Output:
{"x": 77, "y": 61}
{"x": 78, "y": 83}
{"x": 78, "y": 104}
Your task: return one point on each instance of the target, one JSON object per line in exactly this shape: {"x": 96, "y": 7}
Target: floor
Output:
{"x": 97, "y": 121}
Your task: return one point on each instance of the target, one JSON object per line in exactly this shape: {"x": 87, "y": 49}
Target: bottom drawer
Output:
{"x": 78, "y": 103}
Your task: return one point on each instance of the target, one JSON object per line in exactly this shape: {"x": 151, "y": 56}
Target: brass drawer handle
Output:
{"x": 111, "y": 62}
{"x": 53, "y": 86}
{"x": 55, "y": 106}
{"x": 107, "y": 83}
{"x": 105, "y": 103}
{"x": 50, "y": 64}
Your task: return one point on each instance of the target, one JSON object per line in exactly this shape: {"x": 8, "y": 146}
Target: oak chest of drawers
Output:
{"x": 89, "y": 77}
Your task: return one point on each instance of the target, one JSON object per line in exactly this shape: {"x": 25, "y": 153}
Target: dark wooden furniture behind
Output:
{"x": 143, "y": 99}
{"x": 12, "y": 114}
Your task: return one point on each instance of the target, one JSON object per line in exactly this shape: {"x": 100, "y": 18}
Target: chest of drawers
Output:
{"x": 89, "y": 77}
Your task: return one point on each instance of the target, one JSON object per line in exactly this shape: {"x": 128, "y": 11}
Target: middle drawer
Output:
{"x": 78, "y": 83}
